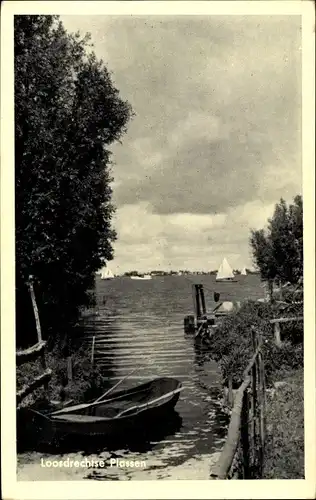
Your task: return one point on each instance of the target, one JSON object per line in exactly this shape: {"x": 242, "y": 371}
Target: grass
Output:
{"x": 284, "y": 454}
{"x": 86, "y": 383}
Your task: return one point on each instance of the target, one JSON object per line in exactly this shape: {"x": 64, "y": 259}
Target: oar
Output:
{"x": 139, "y": 407}
{"x": 39, "y": 413}
{"x": 92, "y": 351}
{"x": 83, "y": 406}
{"x": 116, "y": 385}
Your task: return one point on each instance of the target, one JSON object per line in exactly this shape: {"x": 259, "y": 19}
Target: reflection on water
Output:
{"x": 140, "y": 325}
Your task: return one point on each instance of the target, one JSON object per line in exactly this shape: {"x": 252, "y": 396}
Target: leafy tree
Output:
{"x": 278, "y": 249}
{"x": 67, "y": 113}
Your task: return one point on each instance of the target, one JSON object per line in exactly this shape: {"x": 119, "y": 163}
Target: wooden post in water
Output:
{"x": 198, "y": 304}
{"x": 189, "y": 324}
{"x": 202, "y": 300}
{"x": 199, "y": 307}
{"x": 194, "y": 303}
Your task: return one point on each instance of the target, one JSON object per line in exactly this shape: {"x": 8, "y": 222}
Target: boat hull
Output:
{"x": 139, "y": 278}
{"x": 111, "y": 428}
{"x": 124, "y": 411}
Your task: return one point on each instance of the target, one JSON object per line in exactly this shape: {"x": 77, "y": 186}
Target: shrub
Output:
{"x": 231, "y": 344}
{"x": 280, "y": 360}
{"x": 87, "y": 381}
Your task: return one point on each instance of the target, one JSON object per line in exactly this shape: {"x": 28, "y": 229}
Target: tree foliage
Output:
{"x": 278, "y": 249}
{"x": 67, "y": 113}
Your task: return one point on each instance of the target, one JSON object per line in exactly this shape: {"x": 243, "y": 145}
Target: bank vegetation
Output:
{"x": 278, "y": 255}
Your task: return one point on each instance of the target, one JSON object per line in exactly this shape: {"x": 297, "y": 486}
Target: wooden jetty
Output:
{"x": 200, "y": 324}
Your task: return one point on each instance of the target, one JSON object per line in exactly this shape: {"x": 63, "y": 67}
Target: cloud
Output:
{"x": 195, "y": 241}
{"x": 216, "y": 139}
{"x": 213, "y": 117}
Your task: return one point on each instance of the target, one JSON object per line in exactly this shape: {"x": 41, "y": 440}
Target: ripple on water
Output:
{"x": 143, "y": 327}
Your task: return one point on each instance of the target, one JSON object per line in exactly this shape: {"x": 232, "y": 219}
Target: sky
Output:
{"x": 216, "y": 137}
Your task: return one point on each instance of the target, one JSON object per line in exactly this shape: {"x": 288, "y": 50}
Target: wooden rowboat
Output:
{"x": 123, "y": 412}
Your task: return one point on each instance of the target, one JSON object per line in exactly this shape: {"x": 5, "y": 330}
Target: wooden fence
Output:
{"x": 243, "y": 452}
{"x": 33, "y": 353}
{"x": 277, "y": 322}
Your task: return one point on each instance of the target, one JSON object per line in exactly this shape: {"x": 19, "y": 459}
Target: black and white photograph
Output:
{"x": 159, "y": 271}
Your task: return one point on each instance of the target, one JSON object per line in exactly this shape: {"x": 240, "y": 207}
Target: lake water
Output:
{"x": 140, "y": 325}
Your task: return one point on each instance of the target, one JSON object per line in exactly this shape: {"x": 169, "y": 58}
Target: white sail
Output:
{"x": 106, "y": 274}
{"x": 225, "y": 272}
{"x": 243, "y": 271}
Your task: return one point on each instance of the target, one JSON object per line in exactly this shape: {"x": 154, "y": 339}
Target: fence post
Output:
{"x": 37, "y": 324}
{"x": 258, "y": 417}
{"x": 277, "y": 333}
{"x": 244, "y": 435}
{"x": 262, "y": 390}
{"x": 254, "y": 398}
{"x": 35, "y": 310}
{"x": 230, "y": 391}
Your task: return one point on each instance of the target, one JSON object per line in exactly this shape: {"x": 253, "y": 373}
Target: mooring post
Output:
{"x": 199, "y": 320}
{"x": 198, "y": 303}
{"x": 189, "y": 324}
{"x": 202, "y": 300}
{"x": 194, "y": 303}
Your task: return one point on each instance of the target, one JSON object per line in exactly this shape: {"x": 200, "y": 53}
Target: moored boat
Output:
{"x": 122, "y": 412}
{"x": 142, "y": 277}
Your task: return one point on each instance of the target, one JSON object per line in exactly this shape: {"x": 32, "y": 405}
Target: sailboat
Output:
{"x": 225, "y": 272}
{"x": 243, "y": 271}
{"x": 106, "y": 274}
